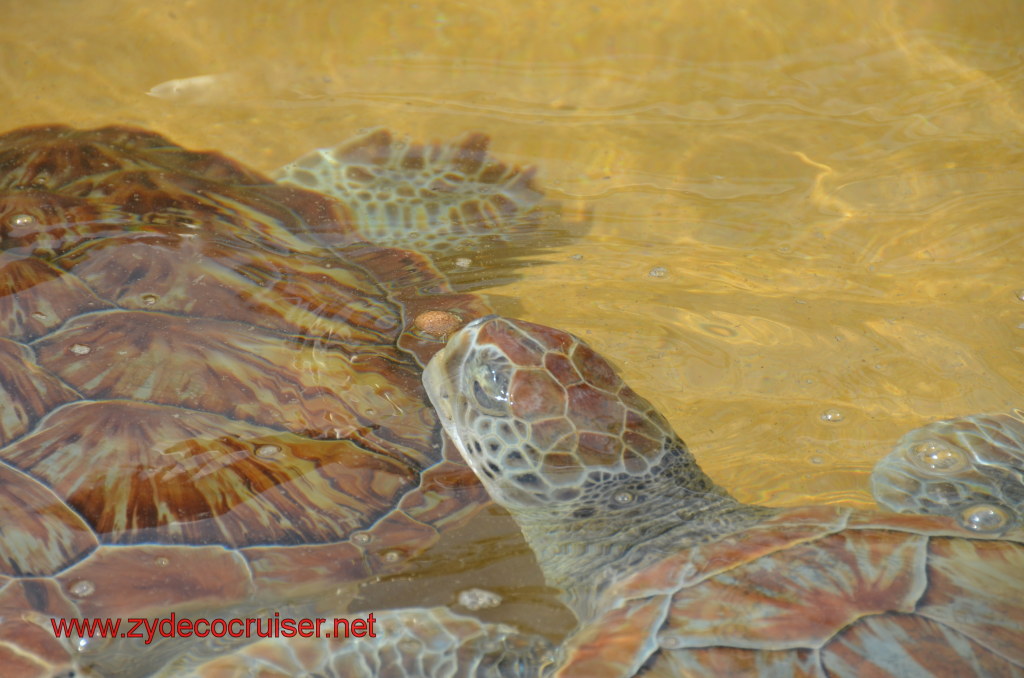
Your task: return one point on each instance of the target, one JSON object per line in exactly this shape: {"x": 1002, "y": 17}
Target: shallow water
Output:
{"x": 805, "y": 233}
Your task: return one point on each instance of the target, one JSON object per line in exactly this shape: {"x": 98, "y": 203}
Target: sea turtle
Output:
{"x": 210, "y": 381}
{"x": 670, "y": 576}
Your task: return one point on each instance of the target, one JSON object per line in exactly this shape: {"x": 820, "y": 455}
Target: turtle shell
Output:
{"x": 817, "y": 591}
{"x": 210, "y": 384}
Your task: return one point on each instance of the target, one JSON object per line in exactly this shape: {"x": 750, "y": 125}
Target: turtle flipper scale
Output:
{"x": 429, "y": 197}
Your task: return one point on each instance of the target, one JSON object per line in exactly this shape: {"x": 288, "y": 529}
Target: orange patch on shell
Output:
{"x": 437, "y": 323}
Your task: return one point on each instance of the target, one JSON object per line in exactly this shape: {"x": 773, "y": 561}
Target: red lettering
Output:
{"x": 166, "y": 626}
{"x": 248, "y": 627}
{"x": 86, "y": 628}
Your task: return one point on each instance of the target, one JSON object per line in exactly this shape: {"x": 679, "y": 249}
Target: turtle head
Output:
{"x": 551, "y": 429}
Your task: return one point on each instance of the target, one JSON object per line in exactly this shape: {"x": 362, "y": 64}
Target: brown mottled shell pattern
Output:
{"x": 210, "y": 384}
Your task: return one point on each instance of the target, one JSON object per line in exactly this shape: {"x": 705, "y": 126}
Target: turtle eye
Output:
{"x": 490, "y": 387}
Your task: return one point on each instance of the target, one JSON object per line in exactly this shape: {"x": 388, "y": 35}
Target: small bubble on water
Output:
{"x": 984, "y": 518}
{"x": 82, "y": 588}
{"x": 623, "y": 497}
{"x": 479, "y": 599}
{"x": 39, "y": 316}
{"x": 161, "y": 561}
{"x": 361, "y": 538}
{"x": 576, "y": 257}
{"x": 79, "y": 349}
{"x": 269, "y": 451}
{"x": 392, "y": 556}
{"x": 658, "y": 272}
{"x": 1020, "y": 294}
{"x": 817, "y": 459}
{"x": 463, "y": 262}
{"x": 832, "y": 416}
{"x": 22, "y": 220}
{"x": 149, "y": 299}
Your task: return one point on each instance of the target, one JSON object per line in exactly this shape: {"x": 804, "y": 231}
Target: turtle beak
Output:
{"x": 442, "y": 375}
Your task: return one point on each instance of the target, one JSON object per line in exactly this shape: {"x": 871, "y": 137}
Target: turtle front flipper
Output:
{"x": 970, "y": 468}
{"x": 434, "y": 198}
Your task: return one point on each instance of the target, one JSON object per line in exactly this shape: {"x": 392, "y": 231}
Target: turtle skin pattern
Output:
{"x": 211, "y": 382}
{"x": 670, "y": 576}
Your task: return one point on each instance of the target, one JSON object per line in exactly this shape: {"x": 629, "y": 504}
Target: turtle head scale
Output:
{"x": 559, "y": 439}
